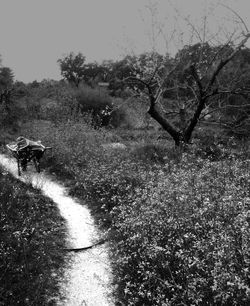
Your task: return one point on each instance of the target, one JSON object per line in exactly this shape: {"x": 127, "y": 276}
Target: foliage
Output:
{"x": 72, "y": 67}
{"x": 6, "y": 82}
{"x": 59, "y": 102}
{"x": 94, "y": 72}
{"x": 6, "y": 78}
{"x": 9, "y": 116}
{"x": 150, "y": 153}
{"x": 32, "y": 237}
{"x": 198, "y": 76}
{"x": 178, "y": 224}
{"x": 234, "y": 115}
{"x": 47, "y": 100}
{"x": 183, "y": 238}
{"x": 95, "y": 101}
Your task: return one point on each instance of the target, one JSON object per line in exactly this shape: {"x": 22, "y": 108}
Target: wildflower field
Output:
{"x": 178, "y": 224}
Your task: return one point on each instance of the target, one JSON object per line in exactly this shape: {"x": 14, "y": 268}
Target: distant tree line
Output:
{"x": 6, "y": 84}
{"x": 201, "y": 83}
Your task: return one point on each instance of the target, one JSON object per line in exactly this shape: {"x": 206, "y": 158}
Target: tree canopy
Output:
{"x": 72, "y": 67}
{"x": 6, "y": 78}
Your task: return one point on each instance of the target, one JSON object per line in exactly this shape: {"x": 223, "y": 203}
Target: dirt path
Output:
{"x": 88, "y": 278}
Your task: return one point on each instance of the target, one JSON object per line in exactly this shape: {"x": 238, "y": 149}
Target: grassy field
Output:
{"x": 178, "y": 223}
{"x": 32, "y": 238}
{"x": 176, "y": 219}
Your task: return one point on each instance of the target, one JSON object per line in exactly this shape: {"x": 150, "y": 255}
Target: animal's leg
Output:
{"x": 37, "y": 164}
{"x": 18, "y": 167}
{"x": 24, "y": 164}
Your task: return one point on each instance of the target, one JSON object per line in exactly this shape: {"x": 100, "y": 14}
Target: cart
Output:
{"x": 25, "y": 151}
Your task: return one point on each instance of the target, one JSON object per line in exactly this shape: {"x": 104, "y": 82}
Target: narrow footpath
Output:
{"x": 88, "y": 277}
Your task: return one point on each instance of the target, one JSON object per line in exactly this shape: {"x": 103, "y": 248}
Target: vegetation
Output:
{"x": 177, "y": 217}
{"x": 178, "y": 223}
{"x": 183, "y": 237}
{"x": 201, "y": 83}
{"x": 32, "y": 236}
{"x": 193, "y": 79}
{"x": 72, "y": 68}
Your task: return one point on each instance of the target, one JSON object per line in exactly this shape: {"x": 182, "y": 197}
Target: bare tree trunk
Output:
{"x": 189, "y": 130}
{"x": 183, "y": 117}
{"x": 167, "y": 126}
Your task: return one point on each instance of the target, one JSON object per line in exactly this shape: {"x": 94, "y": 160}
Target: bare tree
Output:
{"x": 193, "y": 77}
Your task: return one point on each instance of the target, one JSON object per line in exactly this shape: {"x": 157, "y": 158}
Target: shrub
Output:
{"x": 10, "y": 115}
{"x": 95, "y": 101}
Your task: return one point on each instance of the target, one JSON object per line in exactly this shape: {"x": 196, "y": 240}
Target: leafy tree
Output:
{"x": 6, "y": 82}
{"x": 73, "y": 68}
{"x": 6, "y": 96}
{"x": 20, "y": 89}
{"x": 94, "y": 72}
{"x": 6, "y": 78}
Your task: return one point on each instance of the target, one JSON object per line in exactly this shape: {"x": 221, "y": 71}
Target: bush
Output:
{"x": 10, "y": 115}
{"x": 95, "y": 101}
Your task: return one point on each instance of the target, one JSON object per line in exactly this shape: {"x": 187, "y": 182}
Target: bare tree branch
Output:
{"x": 196, "y": 78}
{"x": 225, "y": 107}
{"x": 235, "y": 13}
{"x": 224, "y": 62}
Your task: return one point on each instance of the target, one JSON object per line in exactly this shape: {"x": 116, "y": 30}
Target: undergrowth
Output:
{"x": 178, "y": 223}
{"x": 32, "y": 237}
{"x": 183, "y": 238}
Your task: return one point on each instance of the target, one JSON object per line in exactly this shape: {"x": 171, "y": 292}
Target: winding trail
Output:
{"x": 88, "y": 276}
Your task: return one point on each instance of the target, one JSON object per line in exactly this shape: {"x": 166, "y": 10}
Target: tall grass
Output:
{"x": 32, "y": 236}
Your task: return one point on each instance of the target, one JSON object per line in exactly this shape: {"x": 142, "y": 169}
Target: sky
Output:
{"x": 34, "y": 34}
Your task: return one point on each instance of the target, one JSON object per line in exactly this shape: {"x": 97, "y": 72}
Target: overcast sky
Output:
{"x": 34, "y": 34}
